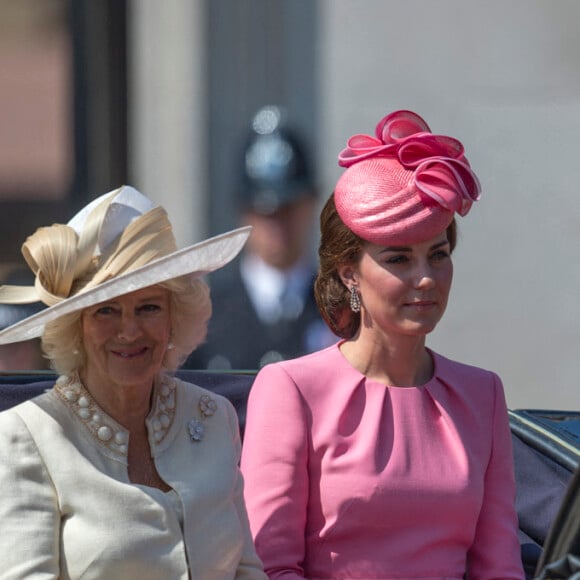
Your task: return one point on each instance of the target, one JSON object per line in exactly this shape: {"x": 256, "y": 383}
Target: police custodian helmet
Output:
{"x": 276, "y": 171}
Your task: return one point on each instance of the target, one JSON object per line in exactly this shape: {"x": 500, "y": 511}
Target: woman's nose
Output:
{"x": 129, "y": 328}
{"x": 424, "y": 277}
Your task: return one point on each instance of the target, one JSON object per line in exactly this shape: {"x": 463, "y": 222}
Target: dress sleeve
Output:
{"x": 29, "y": 542}
{"x": 495, "y": 553}
{"x": 249, "y": 567}
{"x": 274, "y": 464}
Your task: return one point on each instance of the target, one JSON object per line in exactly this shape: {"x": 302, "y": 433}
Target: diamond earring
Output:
{"x": 354, "y": 299}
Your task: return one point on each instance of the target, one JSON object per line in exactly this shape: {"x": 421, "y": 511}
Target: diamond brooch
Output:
{"x": 196, "y": 430}
{"x": 207, "y": 408}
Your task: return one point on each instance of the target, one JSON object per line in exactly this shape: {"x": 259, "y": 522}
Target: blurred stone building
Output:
{"x": 158, "y": 93}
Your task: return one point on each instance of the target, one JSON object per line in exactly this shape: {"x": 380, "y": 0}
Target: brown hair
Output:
{"x": 339, "y": 246}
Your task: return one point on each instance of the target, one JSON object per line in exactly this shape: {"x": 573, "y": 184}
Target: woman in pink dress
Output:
{"x": 376, "y": 457}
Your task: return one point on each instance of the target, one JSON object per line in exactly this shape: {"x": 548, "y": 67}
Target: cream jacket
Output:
{"x": 68, "y": 509}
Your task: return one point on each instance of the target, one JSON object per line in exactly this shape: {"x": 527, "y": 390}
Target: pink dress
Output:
{"x": 349, "y": 478}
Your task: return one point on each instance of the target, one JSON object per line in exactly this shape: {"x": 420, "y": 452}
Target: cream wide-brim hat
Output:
{"x": 119, "y": 243}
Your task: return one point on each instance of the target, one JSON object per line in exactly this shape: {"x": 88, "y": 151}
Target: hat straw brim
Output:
{"x": 196, "y": 260}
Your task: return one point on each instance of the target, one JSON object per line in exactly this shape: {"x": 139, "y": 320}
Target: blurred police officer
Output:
{"x": 264, "y": 308}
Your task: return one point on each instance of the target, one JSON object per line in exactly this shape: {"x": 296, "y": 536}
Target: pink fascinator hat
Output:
{"x": 404, "y": 185}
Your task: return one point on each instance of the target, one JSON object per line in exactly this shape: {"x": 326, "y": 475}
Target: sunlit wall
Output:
{"x": 505, "y": 78}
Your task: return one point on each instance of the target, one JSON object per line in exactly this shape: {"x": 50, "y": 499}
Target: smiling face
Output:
{"x": 126, "y": 338}
{"x": 403, "y": 289}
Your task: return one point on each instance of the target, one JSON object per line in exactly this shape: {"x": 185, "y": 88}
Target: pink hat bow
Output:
{"x": 441, "y": 175}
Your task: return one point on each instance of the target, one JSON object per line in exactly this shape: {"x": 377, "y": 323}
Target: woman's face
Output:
{"x": 126, "y": 338}
{"x": 403, "y": 289}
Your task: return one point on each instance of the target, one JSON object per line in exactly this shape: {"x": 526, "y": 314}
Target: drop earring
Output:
{"x": 354, "y": 299}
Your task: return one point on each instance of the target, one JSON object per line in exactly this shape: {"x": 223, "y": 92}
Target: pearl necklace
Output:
{"x": 104, "y": 429}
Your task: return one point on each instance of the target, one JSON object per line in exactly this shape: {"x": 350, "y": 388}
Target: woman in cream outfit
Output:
{"x": 121, "y": 471}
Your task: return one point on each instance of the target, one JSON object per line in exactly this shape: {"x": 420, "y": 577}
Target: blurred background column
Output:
{"x": 167, "y": 115}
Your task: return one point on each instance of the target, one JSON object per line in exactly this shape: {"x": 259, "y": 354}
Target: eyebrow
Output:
{"x": 145, "y": 299}
{"x": 409, "y": 249}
